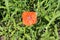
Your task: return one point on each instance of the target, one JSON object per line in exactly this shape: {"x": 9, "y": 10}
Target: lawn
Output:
{"x": 47, "y": 26}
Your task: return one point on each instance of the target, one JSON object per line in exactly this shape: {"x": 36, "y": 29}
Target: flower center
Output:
{"x": 29, "y": 17}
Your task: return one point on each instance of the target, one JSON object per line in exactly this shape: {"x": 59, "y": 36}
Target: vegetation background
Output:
{"x": 48, "y": 17}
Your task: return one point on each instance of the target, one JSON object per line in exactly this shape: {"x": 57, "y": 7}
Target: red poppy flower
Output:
{"x": 29, "y": 18}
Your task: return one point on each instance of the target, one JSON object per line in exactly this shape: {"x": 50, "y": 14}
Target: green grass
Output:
{"x": 46, "y": 28}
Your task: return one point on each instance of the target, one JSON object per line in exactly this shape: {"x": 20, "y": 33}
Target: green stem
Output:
{"x": 24, "y": 31}
{"x": 56, "y": 32}
{"x": 7, "y": 5}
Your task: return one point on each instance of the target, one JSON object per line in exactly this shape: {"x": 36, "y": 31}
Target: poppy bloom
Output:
{"x": 29, "y": 18}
